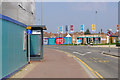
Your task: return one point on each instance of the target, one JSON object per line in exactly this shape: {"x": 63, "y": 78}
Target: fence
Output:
{"x": 57, "y": 41}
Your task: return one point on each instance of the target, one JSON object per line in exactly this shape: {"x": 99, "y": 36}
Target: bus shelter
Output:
{"x": 35, "y": 42}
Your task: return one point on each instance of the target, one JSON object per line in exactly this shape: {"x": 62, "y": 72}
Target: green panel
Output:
{"x": 13, "y": 55}
{"x": 35, "y": 45}
{"x": 0, "y": 48}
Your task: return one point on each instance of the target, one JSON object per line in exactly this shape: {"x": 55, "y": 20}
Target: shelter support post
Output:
{"x": 41, "y": 50}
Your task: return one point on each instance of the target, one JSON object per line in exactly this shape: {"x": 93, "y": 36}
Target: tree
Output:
{"x": 87, "y": 32}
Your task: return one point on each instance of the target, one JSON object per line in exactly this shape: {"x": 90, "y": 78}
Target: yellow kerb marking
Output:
{"x": 99, "y": 75}
{"x": 90, "y": 69}
{"x": 93, "y": 72}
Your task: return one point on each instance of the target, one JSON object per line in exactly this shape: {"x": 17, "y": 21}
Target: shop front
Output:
{"x": 88, "y": 40}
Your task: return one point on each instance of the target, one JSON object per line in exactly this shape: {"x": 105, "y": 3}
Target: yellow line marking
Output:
{"x": 89, "y": 68}
{"x": 93, "y": 72}
{"x": 99, "y": 75}
{"x": 95, "y": 75}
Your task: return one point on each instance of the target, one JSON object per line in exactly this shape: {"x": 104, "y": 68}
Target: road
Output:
{"x": 106, "y": 66}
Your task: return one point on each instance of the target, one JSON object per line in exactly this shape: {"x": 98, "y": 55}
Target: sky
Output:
{"x": 56, "y": 14}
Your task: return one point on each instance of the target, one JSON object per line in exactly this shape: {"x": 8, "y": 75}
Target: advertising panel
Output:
{"x": 60, "y": 41}
{"x": 45, "y": 41}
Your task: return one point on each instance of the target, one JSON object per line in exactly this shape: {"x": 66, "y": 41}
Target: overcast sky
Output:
{"x": 77, "y": 13}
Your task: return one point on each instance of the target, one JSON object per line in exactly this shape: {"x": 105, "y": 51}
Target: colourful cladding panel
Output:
{"x": 52, "y": 41}
{"x": 67, "y": 40}
{"x": 35, "y": 45}
{"x": 0, "y": 48}
{"x": 13, "y": 55}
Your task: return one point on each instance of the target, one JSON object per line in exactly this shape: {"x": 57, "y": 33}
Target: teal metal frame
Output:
{"x": 41, "y": 56}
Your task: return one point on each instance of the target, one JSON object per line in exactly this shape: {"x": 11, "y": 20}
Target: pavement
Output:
{"x": 105, "y": 65}
{"x": 111, "y": 53}
{"x": 56, "y": 64}
{"x": 103, "y": 46}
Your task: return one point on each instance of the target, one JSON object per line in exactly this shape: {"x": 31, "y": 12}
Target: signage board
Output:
{"x": 80, "y": 38}
{"x": 93, "y": 27}
{"x": 96, "y": 38}
{"x": 57, "y": 29}
{"x": 66, "y": 28}
{"x": 82, "y": 28}
{"x": 45, "y": 41}
{"x": 109, "y": 33}
{"x": 71, "y": 28}
{"x": 36, "y": 32}
{"x": 103, "y": 39}
{"x": 61, "y": 29}
{"x": 117, "y": 28}
{"x": 60, "y": 41}
{"x": 79, "y": 41}
{"x": 28, "y": 31}
{"x": 28, "y": 27}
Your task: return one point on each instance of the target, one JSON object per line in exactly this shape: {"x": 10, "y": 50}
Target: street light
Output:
{"x": 96, "y": 24}
{"x": 41, "y": 13}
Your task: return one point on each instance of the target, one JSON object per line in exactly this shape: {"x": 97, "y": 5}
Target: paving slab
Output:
{"x": 56, "y": 65}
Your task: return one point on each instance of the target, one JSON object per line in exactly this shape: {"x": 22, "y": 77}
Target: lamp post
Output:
{"x": 41, "y": 13}
{"x": 96, "y": 24}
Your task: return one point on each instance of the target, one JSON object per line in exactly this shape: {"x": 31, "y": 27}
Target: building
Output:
{"x": 15, "y": 11}
{"x": 99, "y": 38}
{"x": 14, "y": 17}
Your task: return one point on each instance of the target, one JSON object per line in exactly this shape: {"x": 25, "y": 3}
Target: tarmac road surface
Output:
{"x": 106, "y": 66}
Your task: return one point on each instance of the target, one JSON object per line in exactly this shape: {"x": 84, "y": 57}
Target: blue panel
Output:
{"x": 0, "y": 48}
{"x": 35, "y": 44}
{"x": 13, "y": 55}
{"x": 51, "y": 41}
{"x": 67, "y": 39}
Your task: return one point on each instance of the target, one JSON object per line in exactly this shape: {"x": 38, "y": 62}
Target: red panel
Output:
{"x": 60, "y": 41}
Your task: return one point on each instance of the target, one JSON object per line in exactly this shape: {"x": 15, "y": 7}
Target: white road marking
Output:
{"x": 88, "y": 52}
{"x": 79, "y": 53}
